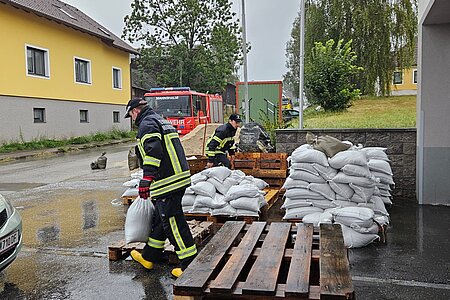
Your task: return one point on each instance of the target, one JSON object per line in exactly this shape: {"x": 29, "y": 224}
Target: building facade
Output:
{"x": 62, "y": 74}
{"x": 404, "y": 82}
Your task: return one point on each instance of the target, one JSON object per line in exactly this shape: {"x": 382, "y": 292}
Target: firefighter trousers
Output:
{"x": 169, "y": 222}
{"x": 222, "y": 160}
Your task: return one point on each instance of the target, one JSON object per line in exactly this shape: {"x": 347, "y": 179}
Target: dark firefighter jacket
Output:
{"x": 221, "y": 142}
{"x": 161, "y": 154}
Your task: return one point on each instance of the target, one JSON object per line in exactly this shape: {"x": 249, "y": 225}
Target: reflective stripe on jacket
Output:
{"x": 221, "y": 141}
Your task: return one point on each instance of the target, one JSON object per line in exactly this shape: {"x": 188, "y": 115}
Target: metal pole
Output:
{"x": 302, "y": 57}
{"x": 244, "y": 52}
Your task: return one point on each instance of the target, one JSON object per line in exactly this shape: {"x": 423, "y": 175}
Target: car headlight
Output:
{"x": 9, "y": 207}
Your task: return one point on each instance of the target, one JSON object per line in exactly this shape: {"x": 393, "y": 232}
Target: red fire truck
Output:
{"x": 185, "y": 108}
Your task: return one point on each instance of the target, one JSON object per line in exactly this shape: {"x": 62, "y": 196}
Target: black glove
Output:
{"x": 144, "y": 189}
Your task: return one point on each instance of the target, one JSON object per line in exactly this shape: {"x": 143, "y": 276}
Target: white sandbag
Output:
{"x": 188, "y": 200}
{"x": 222, "y": 187}
{"x": 138, "y": 221}
{"x": 294, "y": 203}
{"x": 238, "y": 191}
{"x": 205, "y": 201}
{"x": 351, "y": 221}
{"x": 198, "y": 177}
{"x": 355, "y": 170}
{"x": 306, "y": 155}
{"x": 237, "y": 174}
{"x": 323, "y": 189}
{"x": 291, "y": 183}
{"x": 377, "y": 205}
{"x": 372, "y": 229}
{"x": 246, "y": 203}
{"x": 323, "y": 204}
{"x": 261, "y": 184}
{"x": 363, "y": 192}
{"x": 204, "y": 188}
{"x": 306, "y": 167}
{"x": 355, "y": 157}
{"x": 246, "y": 180}
{"x": 381, "y": 219}
{"x": 132, "y": 183}
{"x": 313, "y": 219}
{"x": 189, "y": 191}
{"x": 219, "y": 173}
{"x": 187, "y": 209}
{"x": 227, "y": 210}
{"x": 341, "y": 189}
{"x": 386, "y": 200}
{"x": 383, "y": 192}
{"x": 139, "y": 174}
{"x": 299, "y": 193}
{"x": 353, "y": 239}
{"x": 305, "y": 176}
{"x": 200, "y": 210}
{"x": 376, "y": 153}
{"x": 343, "y": 203}
{"x": 246, "y": 213}
{"x": 383, "y": 186}
{"x": 326, "y": 217}
{"x": 326, "y": 172}
{"x": 131, "y": 192}
{"x": 358, "y": 199}
{"x": 383, "y": 178}
{"x": 361, "y": 181}
{"x": 380, "y": 166}
{"x": 361, "y": 213}
{"x": 300, "y": 212}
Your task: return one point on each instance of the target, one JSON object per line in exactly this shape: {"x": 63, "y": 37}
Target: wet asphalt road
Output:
{"x": 72, "y": 213}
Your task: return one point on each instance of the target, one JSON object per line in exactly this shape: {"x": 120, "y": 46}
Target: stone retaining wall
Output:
{"x": 400, "y": 144}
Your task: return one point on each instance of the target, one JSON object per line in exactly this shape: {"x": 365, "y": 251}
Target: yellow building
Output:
{"x": 62, "y": 74}
{"x": 404, "y": 82}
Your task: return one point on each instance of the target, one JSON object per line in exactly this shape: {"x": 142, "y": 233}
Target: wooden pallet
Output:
{"x": 261, "y": 261}
{"x": 271, "y": 167}
{"x": 197, "y": 165}
{"x": 200, "y": 232}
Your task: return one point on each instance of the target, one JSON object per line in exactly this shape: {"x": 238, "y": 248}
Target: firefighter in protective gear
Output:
{"x": 166, "y": 176}
{"x": 222, "y": 142}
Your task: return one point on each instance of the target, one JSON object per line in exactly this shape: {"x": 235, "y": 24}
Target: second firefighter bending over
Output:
{"x": 222, "y": 142}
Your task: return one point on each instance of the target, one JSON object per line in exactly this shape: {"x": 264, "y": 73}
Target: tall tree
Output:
{"x": 383, "y": 32}
{"x": 185, "y": 42}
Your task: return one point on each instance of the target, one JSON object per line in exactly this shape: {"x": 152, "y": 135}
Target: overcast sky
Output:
{"x": 269, "y": 25}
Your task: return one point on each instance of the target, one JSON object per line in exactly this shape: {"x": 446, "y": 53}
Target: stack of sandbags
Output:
{"x": 132, "y": 185}
{"x": 318, "y": 182}
{"x": 221, "y": 191}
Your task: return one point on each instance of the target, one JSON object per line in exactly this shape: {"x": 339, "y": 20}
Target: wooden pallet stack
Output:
{"x": 271, "y": 167}
{"x": 201, "y": 232}
{"x": 261, "y": 261}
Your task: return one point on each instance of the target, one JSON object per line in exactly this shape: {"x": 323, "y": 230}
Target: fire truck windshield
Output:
{"x": 170, "y": 106}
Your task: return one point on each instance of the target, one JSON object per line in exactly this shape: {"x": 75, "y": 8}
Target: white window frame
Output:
{"x": 120, "y": 78}
{"x": 75, "y": 58}
{"x": 87, "y": 116}
{"x": 46, "y": 62}
{"x": 414, "y": 71}
{"x": 393, "y": 77}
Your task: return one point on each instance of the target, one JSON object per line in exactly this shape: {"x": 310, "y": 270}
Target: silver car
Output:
{"x": 10, "y": 233}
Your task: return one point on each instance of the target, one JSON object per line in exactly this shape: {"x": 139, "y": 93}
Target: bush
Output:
{"x": 328, "y": 76}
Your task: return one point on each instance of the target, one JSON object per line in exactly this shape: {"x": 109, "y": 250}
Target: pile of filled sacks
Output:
{"x": 221, "y": 191}
{"x": 351, "y": 187}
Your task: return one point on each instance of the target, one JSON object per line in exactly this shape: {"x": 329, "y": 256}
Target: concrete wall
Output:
{"x": 433, "y": 103}
{"x": 62, "y": 118}
{"x": 400, "y": 144}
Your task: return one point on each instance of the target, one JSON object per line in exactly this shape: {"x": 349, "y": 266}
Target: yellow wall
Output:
{"x": 18, "y": 28}
{"x": 407, "y": 83}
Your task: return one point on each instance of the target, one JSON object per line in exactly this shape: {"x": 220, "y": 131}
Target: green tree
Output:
{"x": 328, "y": 75}
{"x": 191, "y": 43}
{"x": 384, "y": 36}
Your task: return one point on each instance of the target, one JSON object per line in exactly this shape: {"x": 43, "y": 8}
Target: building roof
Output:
{"x": 70, "y": 16}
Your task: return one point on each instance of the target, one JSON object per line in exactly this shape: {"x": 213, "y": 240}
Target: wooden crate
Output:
{"x": 261, "y": 261}
{"x": 271, "y": 167}
{"x": 200, "y": 232}
{"x": 197, "y": 165}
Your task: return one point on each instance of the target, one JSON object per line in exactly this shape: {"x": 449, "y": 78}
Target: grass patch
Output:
{"x": 44, "y": 143}
{"x": 367, "y": 112}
